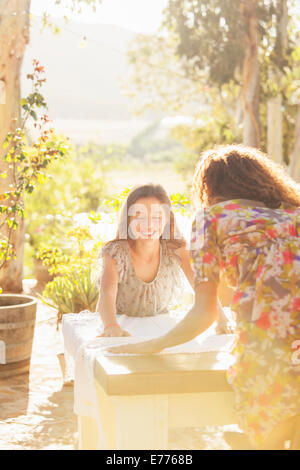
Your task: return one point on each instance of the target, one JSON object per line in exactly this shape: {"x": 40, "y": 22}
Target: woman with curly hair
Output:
{"x": 248, "y": 228}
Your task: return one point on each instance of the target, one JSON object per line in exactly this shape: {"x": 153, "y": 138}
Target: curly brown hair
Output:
{"x": 240, "y": 172}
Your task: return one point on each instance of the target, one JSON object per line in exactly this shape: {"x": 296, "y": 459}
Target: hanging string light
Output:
{"x": 83, "y": 42}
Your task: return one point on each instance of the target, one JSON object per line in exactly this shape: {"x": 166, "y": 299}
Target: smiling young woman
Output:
{"x": 143, "y": 268}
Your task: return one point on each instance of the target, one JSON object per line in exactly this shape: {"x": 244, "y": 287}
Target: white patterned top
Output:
{"x": 136, "y": 297}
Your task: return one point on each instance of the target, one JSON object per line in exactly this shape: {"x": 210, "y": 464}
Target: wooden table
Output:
{"x": 141, "y": 397}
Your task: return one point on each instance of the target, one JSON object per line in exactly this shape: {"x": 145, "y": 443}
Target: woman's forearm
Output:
{"x": 192, "y": 325}
{"x": 106, "y": 309}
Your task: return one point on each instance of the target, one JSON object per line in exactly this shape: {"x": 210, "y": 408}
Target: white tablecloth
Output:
{"x": 82, "y": 347}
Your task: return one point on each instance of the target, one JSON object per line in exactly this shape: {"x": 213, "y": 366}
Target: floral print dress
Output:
{"x": 257, "y": 250}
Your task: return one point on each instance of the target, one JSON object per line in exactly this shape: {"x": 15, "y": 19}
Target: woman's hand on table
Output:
{"x": 144, "y": 347}
{"x": 113, "y": 331}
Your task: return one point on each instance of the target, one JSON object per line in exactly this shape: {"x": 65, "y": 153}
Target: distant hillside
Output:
{"x": 82, "y": 83}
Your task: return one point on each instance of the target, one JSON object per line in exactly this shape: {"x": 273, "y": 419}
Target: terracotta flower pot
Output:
{"x": 42, "y": 275}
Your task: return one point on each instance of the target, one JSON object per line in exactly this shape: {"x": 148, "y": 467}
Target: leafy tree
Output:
{"x": 14, "y": 37}
{"x": 228, "y": 38}
{"x": 241, "y": 57}
{"x": 160, "y": 79}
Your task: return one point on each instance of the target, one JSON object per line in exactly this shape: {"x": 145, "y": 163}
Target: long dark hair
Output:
{"x": 237, "y": 171}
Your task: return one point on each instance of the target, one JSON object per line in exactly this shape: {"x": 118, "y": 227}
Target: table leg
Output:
{"x": 87, "y": 433}
{"x": 133, "y": 422}
{"x": 142, "y": 422}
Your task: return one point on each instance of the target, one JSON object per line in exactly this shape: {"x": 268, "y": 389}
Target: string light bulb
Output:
{"x": 83, "y": 42}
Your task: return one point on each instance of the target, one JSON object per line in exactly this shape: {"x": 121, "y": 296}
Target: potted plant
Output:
{"x": 26, "y": 165}
{"x": 74, "y": 286}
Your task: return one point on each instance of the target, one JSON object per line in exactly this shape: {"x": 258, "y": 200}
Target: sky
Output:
{"x": 141, "y": 16}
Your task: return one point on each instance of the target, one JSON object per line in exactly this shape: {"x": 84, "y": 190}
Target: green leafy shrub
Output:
{"x": 74, "y": 287}
{"x": 72, "y": 292}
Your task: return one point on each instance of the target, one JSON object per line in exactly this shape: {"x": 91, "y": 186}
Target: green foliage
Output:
{"x": 218, "y": 129}
{"x": 76, "y": 5}
{"x": 212, "y": 34}
{"x": 159, "y": 79}
{"x": 288, "y": 86}
{"x": 164, "y": 156}
{"x": 74, "y": 286}
{"x": 27, "y": 165}
{"x": 104, "y": 157}
{"x": 180, "y": 203}
{"x": 154, "y": 144}
{"x": 71, "y": 293}
{"x": 195, "y": 68}
{"x": 72, "y": 6}
{"x": 115, "y": 203}
{"x": 52, "y": 207}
